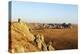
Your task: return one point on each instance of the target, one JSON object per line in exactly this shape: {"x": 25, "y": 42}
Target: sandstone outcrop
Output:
{"x": 22, "y": 40}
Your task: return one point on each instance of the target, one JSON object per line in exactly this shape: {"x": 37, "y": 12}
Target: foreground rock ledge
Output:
{"x": 22, "y": 40}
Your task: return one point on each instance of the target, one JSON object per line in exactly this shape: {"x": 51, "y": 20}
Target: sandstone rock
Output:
{"x": 50, "y": 47}
{"x": 22, "y": 39}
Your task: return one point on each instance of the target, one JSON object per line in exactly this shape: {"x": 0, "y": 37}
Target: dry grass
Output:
{"x": 61, "y": 38}
{"x": 20, "y": 37}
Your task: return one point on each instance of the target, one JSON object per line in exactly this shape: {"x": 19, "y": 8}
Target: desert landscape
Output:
{"x": 62, "y": 38}
{"x": 32, "y": 37}
{"x": 36, "y": 27}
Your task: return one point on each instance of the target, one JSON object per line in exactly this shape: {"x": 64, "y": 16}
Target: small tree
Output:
{"x": 64, "y": 25}
{"x": 19, "y": 20}
{"x": 70, "y": 25}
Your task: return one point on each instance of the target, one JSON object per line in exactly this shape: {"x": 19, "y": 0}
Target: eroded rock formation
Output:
{"x": 22, "y": 40}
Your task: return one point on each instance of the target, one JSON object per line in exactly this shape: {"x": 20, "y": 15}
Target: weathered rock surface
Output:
{"x": 22, "y": 40}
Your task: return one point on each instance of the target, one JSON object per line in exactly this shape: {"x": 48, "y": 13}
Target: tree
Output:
{"x": 19, "y": 19}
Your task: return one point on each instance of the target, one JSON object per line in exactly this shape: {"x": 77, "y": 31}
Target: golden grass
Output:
{"x": 61, "y": 38}
{"x": 20, "y": 37}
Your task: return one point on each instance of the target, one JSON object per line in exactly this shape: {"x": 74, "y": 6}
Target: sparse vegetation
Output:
{"x": 31, "y": 37}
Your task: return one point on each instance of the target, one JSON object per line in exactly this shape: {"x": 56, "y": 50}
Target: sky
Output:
{"x": 44, "y": 12}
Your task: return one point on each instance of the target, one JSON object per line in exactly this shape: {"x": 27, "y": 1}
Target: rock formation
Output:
{"x": 50, "y": 47}
{"x": 22, "y": 40}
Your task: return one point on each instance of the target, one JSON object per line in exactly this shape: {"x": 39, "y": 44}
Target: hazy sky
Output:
{"x": 44, "y": 12}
